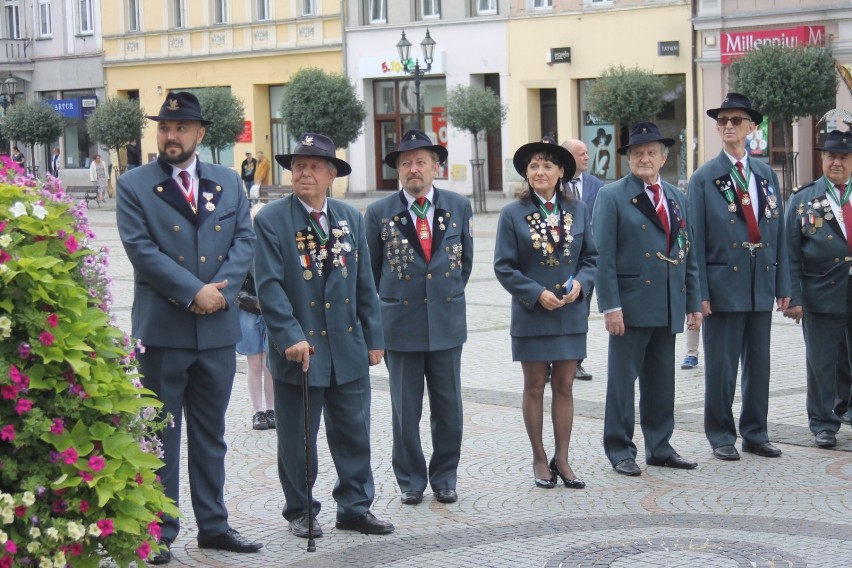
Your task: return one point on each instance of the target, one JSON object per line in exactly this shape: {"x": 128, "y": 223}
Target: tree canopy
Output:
{"x": 325, "y": 103}
{"x": 32, "y": 123}
{"x": 786, "y": 83}
{"x": 475, "y": 109}
{"x": 227, "y": 114}
{"x": 626, "y": 96}
{"x": 115, "y": 123}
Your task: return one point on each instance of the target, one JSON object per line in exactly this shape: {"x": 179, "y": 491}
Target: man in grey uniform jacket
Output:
{"x": 421, "y": 247}
{"x": 736, "y": 213}
{"x": 647, "y": 283}
{"x": 186, "y": 229}
{"x": 316, "y": 292}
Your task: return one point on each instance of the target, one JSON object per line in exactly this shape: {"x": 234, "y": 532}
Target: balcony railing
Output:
{"x": 15, "y": 49}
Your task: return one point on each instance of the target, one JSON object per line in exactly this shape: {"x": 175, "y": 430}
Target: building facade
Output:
{"x": 252, "y": 47}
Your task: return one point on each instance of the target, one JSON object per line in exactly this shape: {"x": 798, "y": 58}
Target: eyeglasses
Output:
{"x": 735, "y": 120}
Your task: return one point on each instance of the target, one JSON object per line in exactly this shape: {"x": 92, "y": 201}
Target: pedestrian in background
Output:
{"x": 647, "y": 284}
{"x": 247, "y": 171}
{"x": 545, "y": 257}
{"x": 421, "y": 244}
{"x": 99, "y": 176}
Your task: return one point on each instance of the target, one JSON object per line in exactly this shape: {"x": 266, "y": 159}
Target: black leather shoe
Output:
{"x": 727, "y": 453}
{"x": 412, "y": 497}
{"x": 627, "y": 467}
{"x": 270, "y": 419}
{"x": 259, "y": 422}
{"x": 674, "y": 461}
{"x": 231, "y": 541}
{"x": 826, "y": 439}
{"x": 763, "y": 449}
{"x": 299, "y": 527}
{"x": 446, "y": 495}
{"x": 846, "y": 417}
{"x": 582, "y": 374}
{"x": 365, "y": 524}
{"x": 164, "y": 555}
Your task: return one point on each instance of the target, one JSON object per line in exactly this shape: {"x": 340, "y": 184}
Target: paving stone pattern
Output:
{"x": 793, "y": 511}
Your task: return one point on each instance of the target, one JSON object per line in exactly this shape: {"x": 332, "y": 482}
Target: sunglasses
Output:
{"x": 735, "y": 120}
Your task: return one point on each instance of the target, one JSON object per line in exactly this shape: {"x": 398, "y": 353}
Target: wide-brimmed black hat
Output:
{"x": 642, "y": 133}
{"x": 602, "y": 135}
{"x": 180, "y": 105}
{"x": 315, "y": 146}
{"x": 414, "y": 140}
{"x": 547, "y": 145}
{"x": 736, "y": 101}
{"x": 838, "y": 142}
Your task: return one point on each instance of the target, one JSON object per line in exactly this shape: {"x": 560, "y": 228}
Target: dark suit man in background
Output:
{"x": 585, "y": 187}
{"x": 317, "y": 293}
{"x": 421, "y": 245}
{"x": 736, "y": 214}
{"x": 819, "y": 235}
{"x": 647, "y": 283}
{"x": 55, "y": 162}
{"x": 134, "y": 155}
{"x": 247, "y": 171}
{"x": 186, "y": 229}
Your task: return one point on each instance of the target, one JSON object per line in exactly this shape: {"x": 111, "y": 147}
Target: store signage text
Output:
{"x": 668, "y": 48}
{"x": 735, "y": 44}
{"x": 560, "y": 55}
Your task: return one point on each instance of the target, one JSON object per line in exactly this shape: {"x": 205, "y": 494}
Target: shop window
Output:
{"x": 45, "y": 25}
{"x": 133, "y": 22}
{"x": 87, "y": 24}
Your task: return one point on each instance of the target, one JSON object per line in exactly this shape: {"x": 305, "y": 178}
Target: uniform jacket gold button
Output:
{"x": 328, "y": 305}
{"x": 836, "y": 260}
{"x": 180, "y": 258}
{"x": 644, "y": 226}
{"x": 159, "y": 189}
{"x": 446, "y": 274}
{"x": 731, "y": 221}
{"x": 220, "y": 258}
{"x": 176, "y": 228}
{"x": 218, "y": 228}
{"x": 323, "y": 333}
{"x": 312, "y": 304}
{"x": 203, "y": 259}
{"x": 647, "y": 255}
{"x": 647, "y": 282}
{"x": 408, "y": 276}
{"x": 734, "y": 245}
{"x": 449, "y": 299}
{"x": 429, "y": 276}
{"x": 349, "y": 329}
{"x": 311, "y": 333}
{"x": 736, "y": 269}
{"x": 218, "y": 188}
{"x": 405, "y": 302}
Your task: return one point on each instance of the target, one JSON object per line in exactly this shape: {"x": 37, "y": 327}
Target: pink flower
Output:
{"x": 24, "y": 350}
{"x": 46, "y": 338}
{"x": 97, "y": 463}
{"x": 15, "y": 375}
{"x": 154, "y": 529}
{"x": 87, "y": 477}
{"x": 6, "y": 562}
{"x": 20, "y": 511}
{"x": 9, "y": 392}
{"x": 23, "y": 406}
{"x": 139, "y": 480}
{"x": 106, "y": 527}
{"x": 70, "y": 456}
{"x": 3, "y": 225}
{"x": 144, "y": 550}
{"x": 76, "y": 549}
{"x": 84, "y": 506}
{"x": 7, "y": 434}
{"x": 53, "y": 320}
{"x": 58, "y": 427}
{"x": 11, "y": 547}
{"x": 71, "y": 244}
{"x": 4, "y": 257}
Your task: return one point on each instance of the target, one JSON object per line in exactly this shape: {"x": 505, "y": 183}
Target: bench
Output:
{"x": 88, "y": 193}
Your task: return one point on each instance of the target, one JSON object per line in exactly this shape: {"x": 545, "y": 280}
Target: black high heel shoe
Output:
{"x": 569, "y": 483}
{"x": 545, "y": 483}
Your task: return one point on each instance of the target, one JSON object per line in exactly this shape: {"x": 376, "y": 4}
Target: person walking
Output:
{"x": 99, "y": 176}
{"x": 319, "y": 302}
{"x": 545, "y": 258}
{"x": 421, "y": 245}
{"x": 185, "y": 227}
{"x": 737, "y": 217}
{"x": 647, "y": 283}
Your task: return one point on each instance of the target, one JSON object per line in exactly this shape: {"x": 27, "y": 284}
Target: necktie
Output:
{"x": 575, "y": 188}
{"x": 847, "y": 214}
{"x": 549, "y": 206}
{"x": 423, "y": 230}
{"x": 748, "y": 210}
{"x": 662, "y": 212}
{"x": 317, "y": 215}
{"x": 186, "y": 181}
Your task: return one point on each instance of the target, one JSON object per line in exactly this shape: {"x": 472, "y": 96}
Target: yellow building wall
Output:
{"x": 597, "y": 40}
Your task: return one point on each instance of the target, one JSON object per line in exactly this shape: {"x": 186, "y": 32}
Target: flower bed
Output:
{"x": 78, "y": 432}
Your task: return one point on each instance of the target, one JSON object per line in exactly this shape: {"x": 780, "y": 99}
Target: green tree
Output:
{"x": 32, "y": 123}
{"x": 228, "y": 115}
{"x": 326, "y": 103}
{"x": 115, "y": 123}
{"x": 476, "y": 110}
{"x": 623, "y": 96}
{"x": 784, "y": 84}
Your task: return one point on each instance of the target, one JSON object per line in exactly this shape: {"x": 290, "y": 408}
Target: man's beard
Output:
{"x": 182, "y": 157}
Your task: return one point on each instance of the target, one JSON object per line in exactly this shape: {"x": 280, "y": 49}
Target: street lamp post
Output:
{"x": 404, "y": 48}
{"x": 8, "y": 88}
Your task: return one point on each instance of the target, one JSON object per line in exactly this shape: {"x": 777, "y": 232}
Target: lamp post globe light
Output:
{"x": 8, "y": 88}
{"x": 404, "y": 48}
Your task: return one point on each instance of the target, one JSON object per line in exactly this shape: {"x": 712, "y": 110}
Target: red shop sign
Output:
{"x": 735, "y": 44}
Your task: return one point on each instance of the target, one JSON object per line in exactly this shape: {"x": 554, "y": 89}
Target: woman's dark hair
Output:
{"x": 553, "y": 159}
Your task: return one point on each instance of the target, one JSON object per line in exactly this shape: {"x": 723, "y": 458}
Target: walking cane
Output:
{"x": 312, "y": 547}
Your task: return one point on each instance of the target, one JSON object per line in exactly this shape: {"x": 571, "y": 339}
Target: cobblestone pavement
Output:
{"x": 792, "y": 511}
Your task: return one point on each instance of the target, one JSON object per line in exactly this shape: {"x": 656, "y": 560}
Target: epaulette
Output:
{"x": 801, "y": 187}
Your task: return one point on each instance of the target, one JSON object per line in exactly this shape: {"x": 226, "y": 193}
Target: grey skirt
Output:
{"x": 549, "y": 348}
